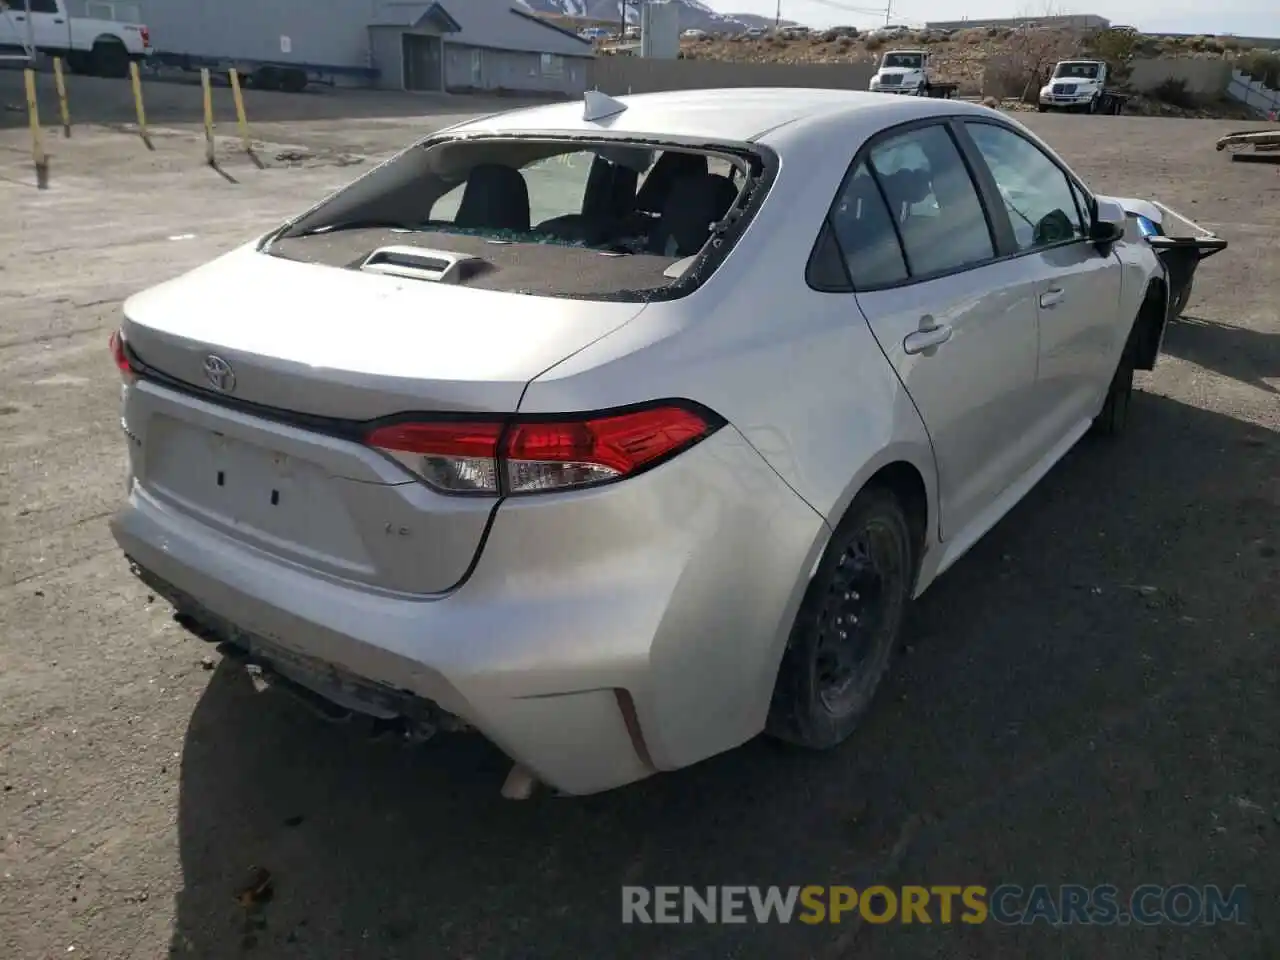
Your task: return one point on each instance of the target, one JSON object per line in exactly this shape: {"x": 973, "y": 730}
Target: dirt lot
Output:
{"x": 1092, "y": 696}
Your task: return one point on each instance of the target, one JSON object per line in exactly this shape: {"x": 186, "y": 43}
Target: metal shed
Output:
{"x": 468, "y": 46}
{"x": 456, "y": 45}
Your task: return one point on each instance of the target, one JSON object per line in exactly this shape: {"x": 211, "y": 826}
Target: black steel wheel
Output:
{"x": 847, "y": 629}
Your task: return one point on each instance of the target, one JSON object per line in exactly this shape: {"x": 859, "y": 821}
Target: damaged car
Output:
{"x": 619, "y": 432}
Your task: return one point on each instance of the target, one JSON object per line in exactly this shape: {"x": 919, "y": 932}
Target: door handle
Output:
{"x": 58, "y": 20}
{"x": 930, "y": 336}
{"x": 1052, "y": 297}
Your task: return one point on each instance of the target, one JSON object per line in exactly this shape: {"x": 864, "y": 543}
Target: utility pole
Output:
{"x": 777, "y": 17}
{"x": 888, "y": 10}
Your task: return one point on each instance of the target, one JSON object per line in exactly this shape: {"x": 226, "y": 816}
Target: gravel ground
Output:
{"x": 1092, "y": 696}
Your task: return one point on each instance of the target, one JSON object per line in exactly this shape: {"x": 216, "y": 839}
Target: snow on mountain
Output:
{"x": 694, "y": 15}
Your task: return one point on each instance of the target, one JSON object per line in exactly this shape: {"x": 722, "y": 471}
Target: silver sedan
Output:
{"x": 624, "y": 430}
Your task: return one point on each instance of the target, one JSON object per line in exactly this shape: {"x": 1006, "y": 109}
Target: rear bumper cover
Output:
{"x": 675, "y": 589}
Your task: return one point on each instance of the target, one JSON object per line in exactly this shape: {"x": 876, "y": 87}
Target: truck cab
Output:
{"x": 1075, "y": 85}
{"x": 101, "y": 47}
{"x": 902, "y": 71}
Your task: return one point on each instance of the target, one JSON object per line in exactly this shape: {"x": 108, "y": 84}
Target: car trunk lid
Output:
{"x": 265, "y": 446}
{"x": 331, "y": 342}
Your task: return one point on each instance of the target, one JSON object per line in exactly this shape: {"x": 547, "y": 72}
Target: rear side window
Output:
{"x": 932, "y": 200}
{"x": 865, "y": 233}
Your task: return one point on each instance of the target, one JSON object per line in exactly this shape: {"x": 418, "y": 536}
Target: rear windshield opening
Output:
{"x": 616, "y": 220}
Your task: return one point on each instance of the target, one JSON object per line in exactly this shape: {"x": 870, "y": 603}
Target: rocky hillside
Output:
{"x": 694, "y": 15}
{"x": 993, "y": 61}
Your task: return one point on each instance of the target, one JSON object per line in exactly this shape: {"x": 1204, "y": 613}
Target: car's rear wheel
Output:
{"x": 847, "y": 629}
{"x": 109, "y": 59}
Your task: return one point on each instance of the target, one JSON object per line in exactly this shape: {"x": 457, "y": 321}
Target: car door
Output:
{"x": 1078, "y": 287}
{"x": 958, "y": 325}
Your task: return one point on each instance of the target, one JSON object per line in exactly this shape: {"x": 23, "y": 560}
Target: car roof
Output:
{"x": 733, "y": 114}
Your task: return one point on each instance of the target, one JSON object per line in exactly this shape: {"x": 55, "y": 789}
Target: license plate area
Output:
{"x": 281, "y": 501}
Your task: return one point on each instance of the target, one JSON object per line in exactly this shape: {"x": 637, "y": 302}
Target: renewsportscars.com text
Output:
{"x": 1146, "y": 905}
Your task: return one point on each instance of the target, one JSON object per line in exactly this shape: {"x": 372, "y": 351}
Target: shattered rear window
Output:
{"x": 616, "y": 220}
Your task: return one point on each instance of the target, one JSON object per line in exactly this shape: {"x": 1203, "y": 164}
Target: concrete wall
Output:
{"x": 1087, "y": 21}
{"x": 619, "y": 75}
{"x": 1254, "y": 94}
{"x": 472, "y": 70}
{"x": 1205, "y": 78}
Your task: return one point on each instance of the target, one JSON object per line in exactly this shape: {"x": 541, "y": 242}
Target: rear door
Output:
{"x": 1078, "y": 288}
{"x": 958, "y": 325}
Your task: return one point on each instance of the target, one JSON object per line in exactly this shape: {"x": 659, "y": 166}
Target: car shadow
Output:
{"x": 1249, "y": 356}
{"x": 1054, "y": 620}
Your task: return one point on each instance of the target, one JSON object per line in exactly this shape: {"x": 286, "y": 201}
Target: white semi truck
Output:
{"x": 1080, "y": 85}
{"x": 907, "y": 72}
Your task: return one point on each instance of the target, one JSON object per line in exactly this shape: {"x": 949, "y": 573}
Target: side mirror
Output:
{"x": 1108, "y": 222}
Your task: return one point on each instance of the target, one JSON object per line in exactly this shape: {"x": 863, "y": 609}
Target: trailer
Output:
{"x": 1252, "y": 146}
{"x": 289, "y": 76}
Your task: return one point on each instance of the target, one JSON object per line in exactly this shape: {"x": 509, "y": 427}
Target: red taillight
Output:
{"x": 527, "y": 456}
{"x": 121, "y": 355}
{"x": 146, "y": 37}
{"x": 454, "y": 457}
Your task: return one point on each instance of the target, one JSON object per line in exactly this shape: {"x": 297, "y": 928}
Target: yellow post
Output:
{"x": 135, "y": 79}
{"x": 38, "y": 156}
{"x": 61, "y": 84}
{"x": 241, "y": 120}
{"x": 210, "y": 152}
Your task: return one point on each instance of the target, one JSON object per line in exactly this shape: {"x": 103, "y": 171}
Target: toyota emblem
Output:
{"x": 219, "y": 374}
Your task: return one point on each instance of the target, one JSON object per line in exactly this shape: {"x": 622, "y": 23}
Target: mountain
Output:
{"x": 694, "y": 15}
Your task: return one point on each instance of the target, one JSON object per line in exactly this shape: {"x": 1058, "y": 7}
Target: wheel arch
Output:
{"x": 1150, "y": 324}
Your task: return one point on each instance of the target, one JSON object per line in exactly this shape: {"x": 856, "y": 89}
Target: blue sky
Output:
{"x": 1258, "y": 18}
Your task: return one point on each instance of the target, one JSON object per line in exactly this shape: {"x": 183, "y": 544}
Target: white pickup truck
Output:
{"x": 907, "y": 72}
{"x": 99, "y": 47}
{"x": 1080, "y": 85}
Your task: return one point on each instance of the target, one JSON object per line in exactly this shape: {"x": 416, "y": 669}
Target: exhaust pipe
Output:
{"x": 520, "y": 783}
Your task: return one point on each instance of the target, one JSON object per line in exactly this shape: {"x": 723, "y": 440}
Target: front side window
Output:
{"x": 1038, "y": 196}
{"x": 932, "y": 200}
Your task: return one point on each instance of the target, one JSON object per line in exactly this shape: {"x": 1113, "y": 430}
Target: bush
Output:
{"x": 1173, "y": 91}
{"x": 1262, "y": 65}
{"x": 875, "y": 43}
{"x": 1115, "y": 46}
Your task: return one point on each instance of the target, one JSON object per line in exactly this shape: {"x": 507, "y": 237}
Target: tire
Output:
{"x": 1042, "y": 108}
{"x": 1094, "y": 105}
{"x": 1184, "y": 297}
{"x": 1114, "y": 415}
{"x": 293, "y": 81}
{"x": 827, "y": 681}
{"x": 109, "y": 59}
{"x": 266, "y": 78}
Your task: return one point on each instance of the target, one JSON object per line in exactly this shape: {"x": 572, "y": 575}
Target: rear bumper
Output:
{"x": 603, "y": 635}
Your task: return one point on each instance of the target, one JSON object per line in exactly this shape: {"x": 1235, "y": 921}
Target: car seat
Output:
{"x": 496, "y": 197}
{"x": 693, "y": 205}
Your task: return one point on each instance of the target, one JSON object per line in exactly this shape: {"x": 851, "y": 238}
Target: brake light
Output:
{"x": 120, "y": 354}
{"x": 537, "y": 455}
{"x": 146, "y": 37}
{"x": 453, "y": 457}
